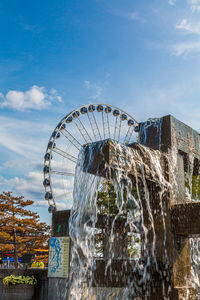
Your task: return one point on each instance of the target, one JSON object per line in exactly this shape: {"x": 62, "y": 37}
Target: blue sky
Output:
{"x": 140, "y": 55}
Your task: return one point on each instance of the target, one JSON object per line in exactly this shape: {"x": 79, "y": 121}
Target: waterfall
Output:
{"x": 135, "y": 176}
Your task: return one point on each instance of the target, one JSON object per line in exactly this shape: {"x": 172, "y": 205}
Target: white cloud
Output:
{"x": 20, "y": 165}
{"x": 195, "y": 5}
{"x": 63, "y": 166}
{"x": 185, "y": 48}
{"x": 189, "y": 27}
{"x": 59, "y": 205}
{"x": 98, "y": 92}
{"x": 25, "y": 142}
{"x": 62, "y": 205}
{"x": 95, "y": 90}
{"x": 87, "y": 84}
{"x": 174, "y": 99}
{"x": 42, "y": 203}
{"x": 33, "y": 28}
{"x": 31, "y": 187}
{"x": 25, "y": 138}
{"x": 53, "y": 95}
{"x": 172, "y": 2}
{"x": 135, "y": 16}
{"x": 180, "y": 48}
{"x": 35, "y": 98}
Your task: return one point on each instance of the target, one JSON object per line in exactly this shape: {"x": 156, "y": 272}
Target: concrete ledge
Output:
{"x": 41, "y": 290}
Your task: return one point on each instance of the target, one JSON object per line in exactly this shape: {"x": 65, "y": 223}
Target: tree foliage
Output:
{"x": 106, "y": 200}
{"x": 20, "y": 229}
{"x": 107, "y": 205}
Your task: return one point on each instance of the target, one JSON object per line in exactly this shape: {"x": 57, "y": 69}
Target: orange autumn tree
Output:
{"x": 20, "y": 229}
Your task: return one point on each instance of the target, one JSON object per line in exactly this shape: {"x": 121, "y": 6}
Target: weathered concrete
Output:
{"x": 171, "y": 136}
{"x": 186, "y": 218}
{"x": 57, "y": 287}
{"x": 181, "y": 219}
{"x": 60, "y": 225}
{"x": 41, "y": 289}
{"x": 169, "y": 133}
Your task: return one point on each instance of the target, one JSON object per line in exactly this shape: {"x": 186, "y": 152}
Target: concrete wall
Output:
{"x": 41, "y": 290}
{"x": 55, "y": 288}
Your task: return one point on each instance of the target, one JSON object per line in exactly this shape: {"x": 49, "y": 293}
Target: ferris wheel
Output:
{"x": 87, "y": 124}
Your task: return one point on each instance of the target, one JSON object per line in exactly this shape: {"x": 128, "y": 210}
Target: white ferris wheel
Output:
{"x": 87, "y": 124}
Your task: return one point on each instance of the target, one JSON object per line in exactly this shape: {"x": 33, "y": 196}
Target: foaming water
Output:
{"x": 132, "y": 192}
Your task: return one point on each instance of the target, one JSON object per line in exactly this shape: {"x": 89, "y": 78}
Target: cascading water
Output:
{"x": 195, "y": 260}
{"x": 131, "y": 226}
{"x": 138, "y": 179}
{"x": 123, "y": 245}
{"x": 189, "y": 174}
{"x": 193, "y": 194}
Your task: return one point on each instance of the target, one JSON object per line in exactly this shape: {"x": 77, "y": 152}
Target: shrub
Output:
{"x": 13, "y": 280}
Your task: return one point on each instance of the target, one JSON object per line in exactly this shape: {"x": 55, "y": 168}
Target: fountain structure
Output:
{"x": 156, "y": 187}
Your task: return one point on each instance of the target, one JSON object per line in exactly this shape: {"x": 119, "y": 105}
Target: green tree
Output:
{"x": 107, "y": 205}
{"x": 106, "y": 200}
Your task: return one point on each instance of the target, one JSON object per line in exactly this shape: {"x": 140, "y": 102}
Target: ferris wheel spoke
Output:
{"x": 116, "y": 121}
{"x": 108, "y": 125}
{"x": 85, "y": 130}
{"x": 81, "y": 132}
{"x": 63, "y": 194}
{"x": 71, "y": 139}
{"x": 96, "y": 125}
{"x": 130, "y": 135}
{"x": 103, "y": 123}
{"x": 127, "y": 135}
{"x": 65, "y": 154}
{"x": 91, "y": 126}
{"x": 120, "y": 125}
{"x": 62, "y": 173}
